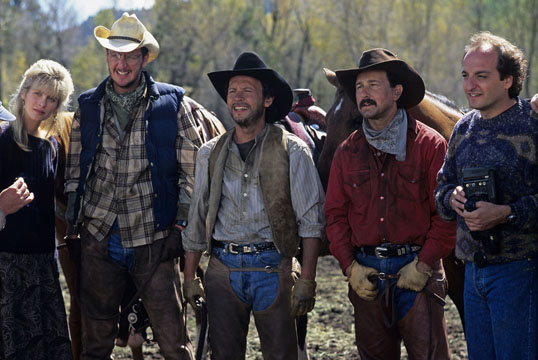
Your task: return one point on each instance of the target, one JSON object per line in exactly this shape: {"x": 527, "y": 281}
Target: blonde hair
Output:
{"x": 53, "y": 79}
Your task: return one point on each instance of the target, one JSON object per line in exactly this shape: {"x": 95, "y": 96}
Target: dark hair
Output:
{"x": 144, "y": 50}
{"x": 393, "y": 79}
{"x": 510, "y": 62}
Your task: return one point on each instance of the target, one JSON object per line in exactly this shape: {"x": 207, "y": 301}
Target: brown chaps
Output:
{"x": 422, "y": 329}
{"x": 102, "y": 286}
{"x": 229, "y": 317}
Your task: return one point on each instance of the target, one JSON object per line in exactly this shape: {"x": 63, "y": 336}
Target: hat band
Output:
{"x": 124, "y": 38}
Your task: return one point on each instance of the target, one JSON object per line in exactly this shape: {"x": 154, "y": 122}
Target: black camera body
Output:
{"x": 479, "y": 185}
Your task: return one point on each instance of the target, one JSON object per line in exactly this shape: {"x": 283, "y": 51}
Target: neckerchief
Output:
{"x": 392, "y": 139}
{"x": 126, "y": 101}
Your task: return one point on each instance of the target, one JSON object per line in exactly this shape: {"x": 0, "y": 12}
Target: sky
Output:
{"x": 85, "y": 8}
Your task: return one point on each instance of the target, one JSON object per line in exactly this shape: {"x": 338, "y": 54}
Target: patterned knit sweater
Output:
{"x": 508, "y": 143}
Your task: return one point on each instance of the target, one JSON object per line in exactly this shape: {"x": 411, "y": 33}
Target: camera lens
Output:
{"x": 470, "y": 205}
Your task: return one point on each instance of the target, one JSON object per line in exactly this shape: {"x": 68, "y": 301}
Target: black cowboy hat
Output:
{"x": 382, "y": 59}
{"x": 250, "y": 64}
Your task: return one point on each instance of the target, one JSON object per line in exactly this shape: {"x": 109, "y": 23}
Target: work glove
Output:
{"x": 303, "y": 297}
{"x": 171, "y": 246}
{"x": 412, "y": 279}
{"x": 359, "y": 282}
{"x": 192, "y": 291}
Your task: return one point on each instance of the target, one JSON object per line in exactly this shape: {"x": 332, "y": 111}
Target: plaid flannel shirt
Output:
{"x": 119, "y": 185}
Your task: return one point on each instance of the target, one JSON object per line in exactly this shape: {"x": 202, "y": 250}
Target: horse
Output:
{"x": 209, "y": 128}
{"x": 435, "y": 111}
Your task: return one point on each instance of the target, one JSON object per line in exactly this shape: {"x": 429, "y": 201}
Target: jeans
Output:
{"x": 404, "y": 298}
{"x": 124, "y": 257}
{"x": 255, "y": 288}
{"x": 229, "y": 315}
{"x": 420, "y": 320}
{"x": 501, "y": 303}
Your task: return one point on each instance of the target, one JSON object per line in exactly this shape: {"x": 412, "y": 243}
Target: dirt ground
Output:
{"x": 330, "y": 328}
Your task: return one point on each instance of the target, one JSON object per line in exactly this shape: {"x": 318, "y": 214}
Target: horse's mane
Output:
{"x": 445, "y": 104}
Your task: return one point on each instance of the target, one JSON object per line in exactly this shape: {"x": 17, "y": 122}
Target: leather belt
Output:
{"x": 386, "y": 251}
{"x": 234, "y": 248}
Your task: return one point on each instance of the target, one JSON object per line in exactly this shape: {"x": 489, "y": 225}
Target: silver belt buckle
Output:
{"x": 378, "y": 254}
{"x": 230, "y": 248}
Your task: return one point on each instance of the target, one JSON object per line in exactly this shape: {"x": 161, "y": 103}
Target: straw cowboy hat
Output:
{"x": 250, "y": 64}
{"x": 127, "y": 34}
{"x": 382, "y": 59}
{"x": 5, "y": 115}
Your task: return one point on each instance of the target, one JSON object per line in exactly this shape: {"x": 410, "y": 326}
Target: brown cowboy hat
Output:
{"x": 5, "y": 115}
{"x": 250, "y": 64}
{"x": 127, "y": 34}
{"x": 382, "y": 59}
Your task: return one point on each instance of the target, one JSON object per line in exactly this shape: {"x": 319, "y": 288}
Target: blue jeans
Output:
{"x": 501, "y": 303}
{"x": 255, "y": 288}
{"x": 404, "y": 298}
{"x": 124, "y": 257}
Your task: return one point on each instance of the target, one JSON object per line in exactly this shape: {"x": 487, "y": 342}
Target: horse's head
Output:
{"x": 342, "y": 119}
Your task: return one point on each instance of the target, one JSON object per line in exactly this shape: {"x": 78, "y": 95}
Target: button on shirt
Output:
{"x": 241, "y": 217}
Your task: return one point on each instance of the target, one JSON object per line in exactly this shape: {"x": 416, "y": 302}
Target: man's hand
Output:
{"x": 171, "y": 246}
{"x": 457, "y": 199}
{"x": 192, "y": 291}
{"x": 15, "y": 197}
{"x": 303, "y": 297}
{"x": 486, "y": 216}
{"x": 412, "y": 278}
{"x": 358, "y": 279}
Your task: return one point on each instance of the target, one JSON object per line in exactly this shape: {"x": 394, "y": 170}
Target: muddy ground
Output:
{"x": 330, "y": 334}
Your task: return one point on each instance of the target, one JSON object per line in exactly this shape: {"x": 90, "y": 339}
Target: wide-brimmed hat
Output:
{"x": 382, "y": 59}
{"x": 5, "y": 115}
{"x": 127, "y": 34}
{"x": 250, "y": 64}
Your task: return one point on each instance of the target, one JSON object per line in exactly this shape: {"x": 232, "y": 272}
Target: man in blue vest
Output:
{"x": 129, "y": 179}
{"x": 256, "y": 195}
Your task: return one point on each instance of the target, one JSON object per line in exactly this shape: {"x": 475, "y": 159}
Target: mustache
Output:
{"x": 367, "y": 102}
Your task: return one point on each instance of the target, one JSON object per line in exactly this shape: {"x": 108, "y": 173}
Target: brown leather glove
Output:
{"x": 192, "y": 291}
{"x": 359, "y": 282}
{"x": 411, "y": 278}
{"x": 303, "y": 297}
{"x": 171, "y": 246}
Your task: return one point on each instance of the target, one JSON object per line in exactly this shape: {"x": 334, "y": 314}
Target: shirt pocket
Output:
{"x": 358, "y": 186}
{"x": 410, "y": 184}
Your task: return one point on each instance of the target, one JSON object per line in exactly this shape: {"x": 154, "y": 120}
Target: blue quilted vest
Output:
{"x": 161, "y": 130}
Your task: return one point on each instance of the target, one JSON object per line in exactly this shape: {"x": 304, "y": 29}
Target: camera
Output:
{"x": 479, "y": 185}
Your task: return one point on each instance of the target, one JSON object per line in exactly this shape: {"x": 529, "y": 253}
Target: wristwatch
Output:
{"x": 511, "y": 219}
{"x": 2, "y": 220}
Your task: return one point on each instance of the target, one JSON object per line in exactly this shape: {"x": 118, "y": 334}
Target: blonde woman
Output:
{"x": 32, "y": 314}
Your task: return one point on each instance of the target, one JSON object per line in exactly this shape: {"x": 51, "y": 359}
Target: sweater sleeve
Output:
{"x": 447, "y": 181}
